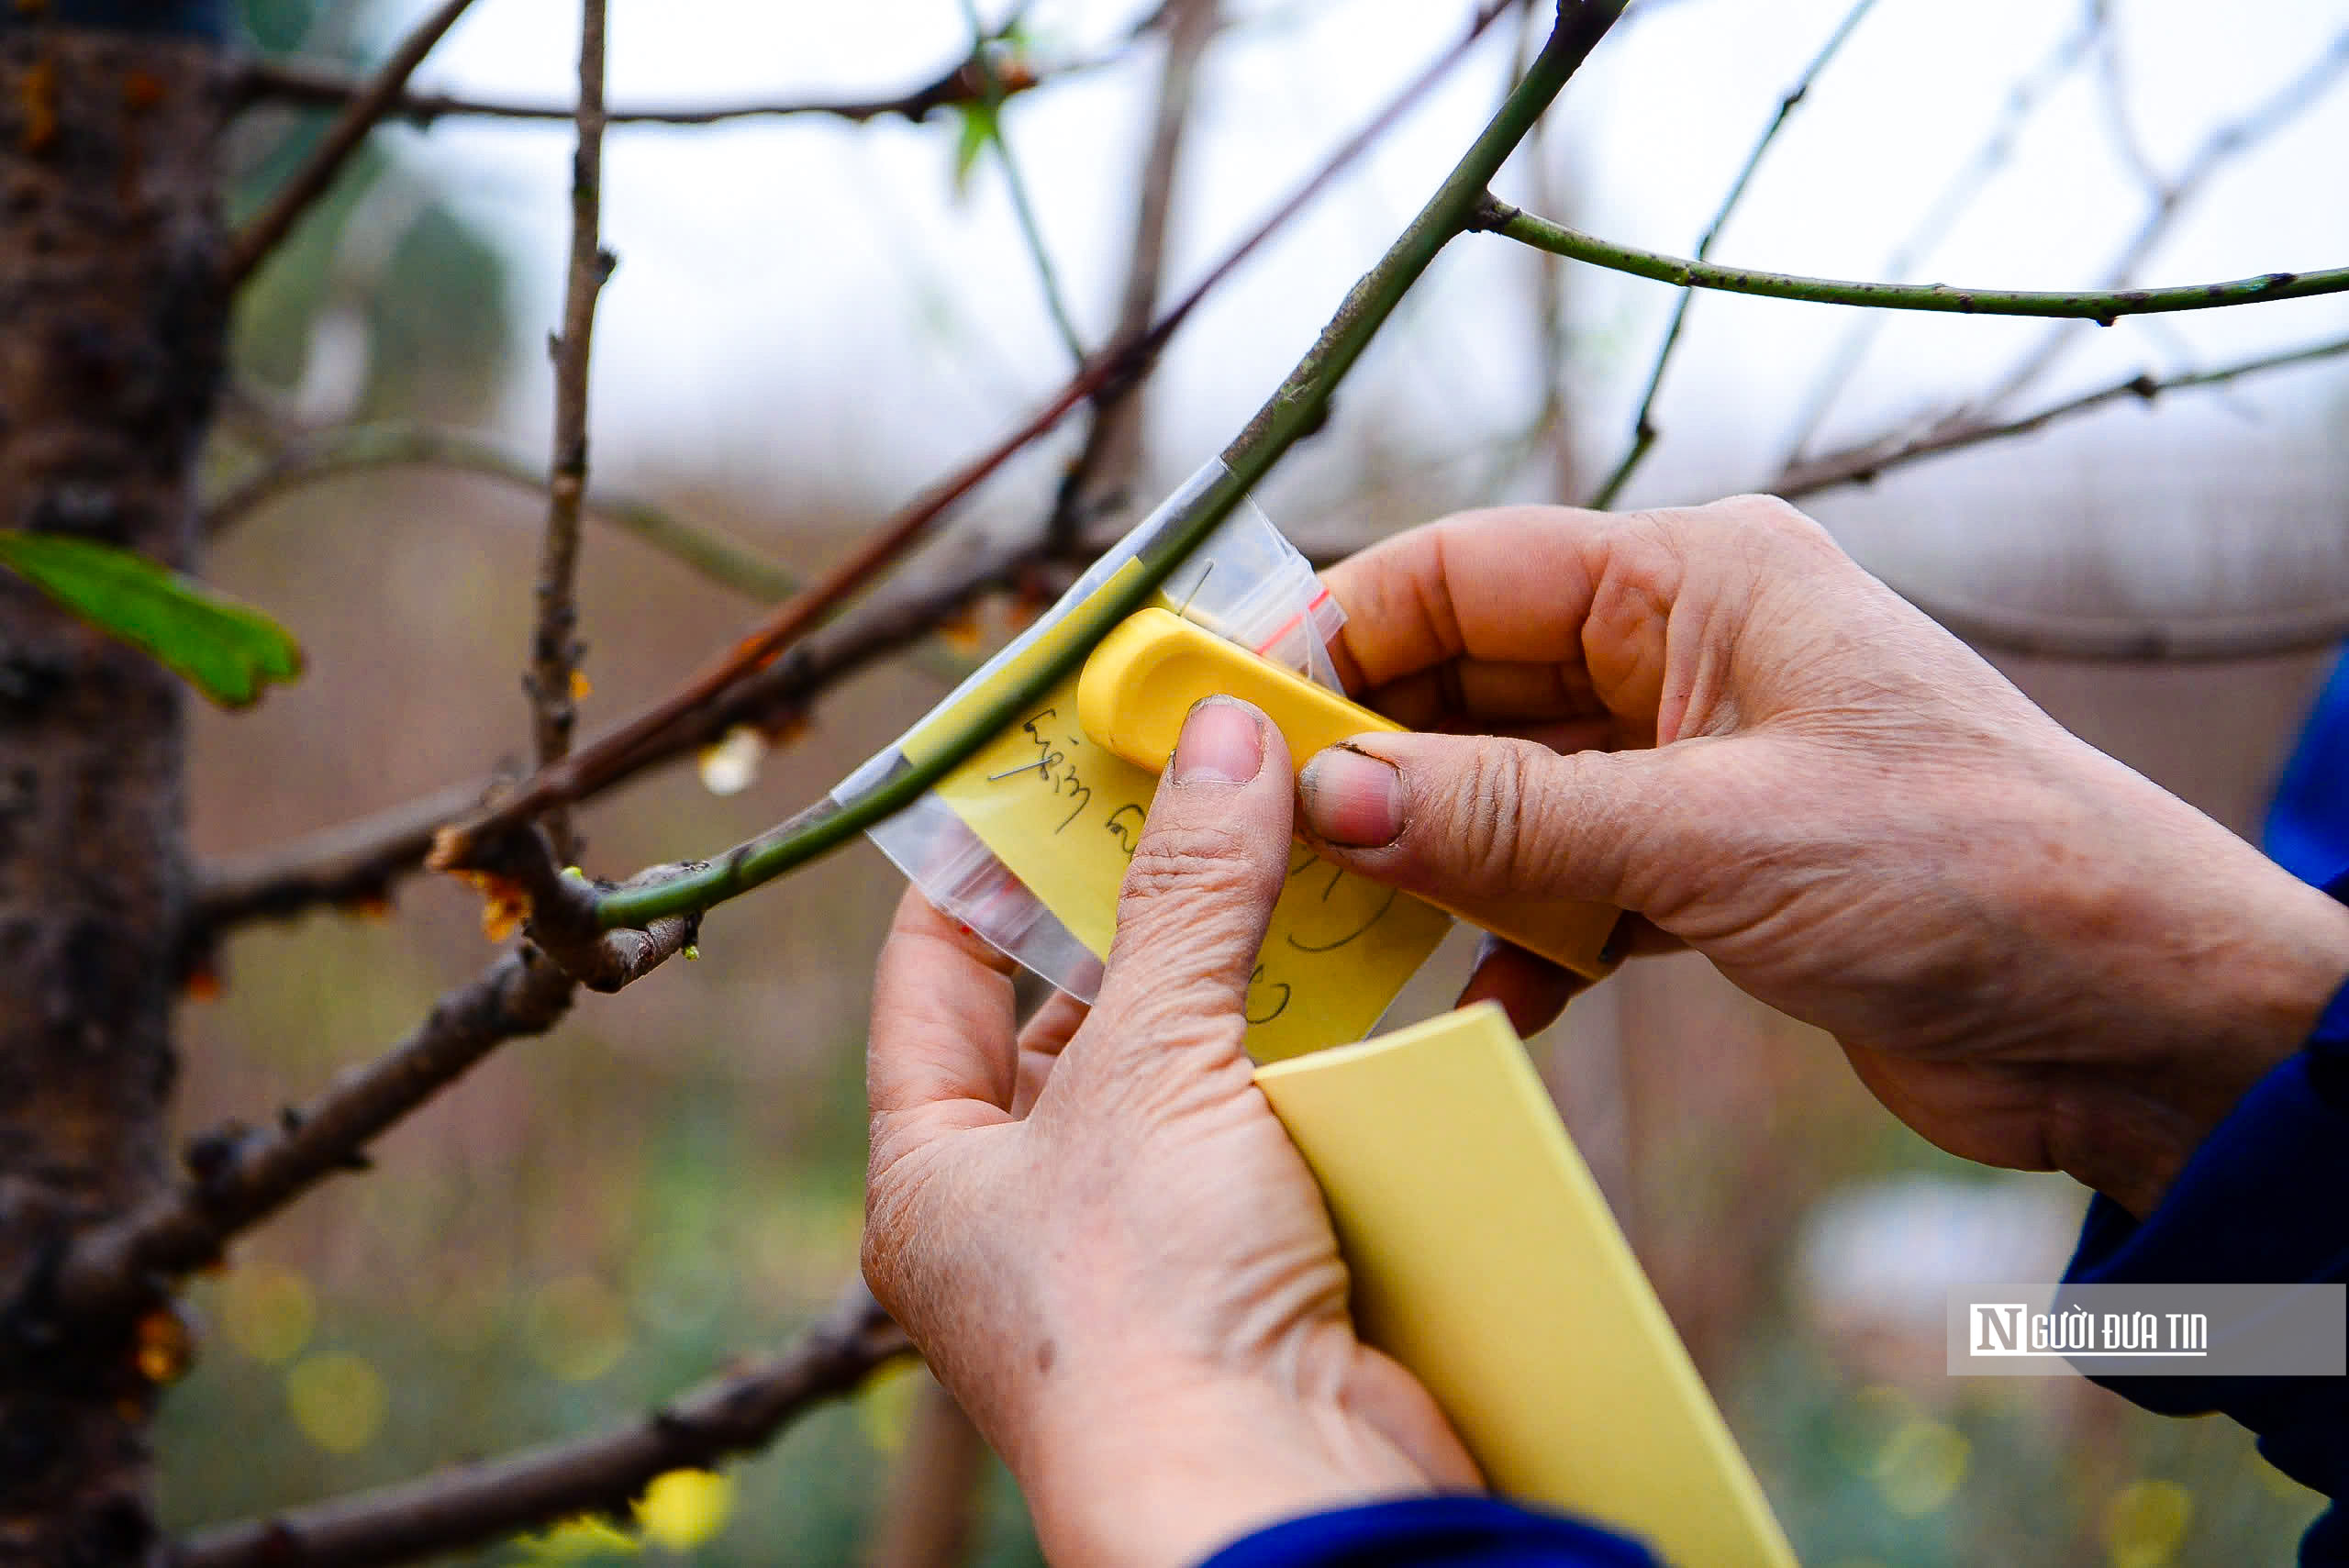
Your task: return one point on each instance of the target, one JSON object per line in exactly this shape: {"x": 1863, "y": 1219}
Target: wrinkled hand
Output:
{"x": 1096, "y": 1230}
{"x": 2032, "y": 955}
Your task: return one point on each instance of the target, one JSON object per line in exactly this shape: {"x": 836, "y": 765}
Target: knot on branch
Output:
{"x": 559, "y": 911}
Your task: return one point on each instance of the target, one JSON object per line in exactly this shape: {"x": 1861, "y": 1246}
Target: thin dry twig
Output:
{"x": 555, "y": 642}
{"x": 368, "y": 105}
{"x": 318, "y": 86}
{"x": 589, "y": 768}
{"x": 1861, "y": 465}
{"x": 466, "y": 1505}
{"x": 1643, "y": 430}
{"x": 992, "y": 97}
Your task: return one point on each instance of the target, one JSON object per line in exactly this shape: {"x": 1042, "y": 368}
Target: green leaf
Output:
{"x": 978, "y": 130}
{"x": 226, "y": 650}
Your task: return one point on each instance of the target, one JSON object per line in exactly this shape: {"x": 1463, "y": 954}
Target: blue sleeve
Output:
{"x": 2261, "y": 1201}
{"x": 1433, "y": 1532}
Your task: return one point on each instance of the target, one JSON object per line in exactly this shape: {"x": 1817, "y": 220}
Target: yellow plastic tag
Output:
{"x": 1063, "y": 814}
{"x": 1483, "y": 1259}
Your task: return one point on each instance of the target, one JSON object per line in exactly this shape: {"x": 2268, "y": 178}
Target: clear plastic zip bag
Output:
{"x": 1246, "y": 582}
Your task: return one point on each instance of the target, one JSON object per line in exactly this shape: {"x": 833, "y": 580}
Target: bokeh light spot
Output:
{"x": 1921, "y": 1466}
{"x": 577, "y": 1328}
{"x": 575, "y": 1541}
{"x": 885, "y": 1407}
{"x": 267, "y": 1311}
{"x": 337, "y": 1400}
{"x": 684, "y": 1508}
{"x": 2145, "y": 1522}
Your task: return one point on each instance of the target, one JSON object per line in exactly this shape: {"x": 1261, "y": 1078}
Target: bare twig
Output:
{"x": 1956, "y": 198}
{"x": 2099, "y": 305}
{"x": 1111, "y": 461}
{"x": 237, "y": 1177}
{"x": 588, "y": 769}
{"x": 330, "y": 454}
{"x": 1859, "y": 465}
{"x": 368, "y": 105}
{"x": 2171, "y": 198}
{"x": 554, "y": 641}
{"x": 469, "y": 1504}
{"x": 321, "y": 86}
{"x": 1643, "y": 430}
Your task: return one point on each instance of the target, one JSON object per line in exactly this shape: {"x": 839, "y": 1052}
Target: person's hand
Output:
{"x": 1094, "y": 1229}
{"x": 2032, "y": 955}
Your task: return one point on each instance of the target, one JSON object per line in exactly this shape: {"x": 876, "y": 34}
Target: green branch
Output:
{"x": 2104, "y": 308}
{"x": 1294, "y": 411}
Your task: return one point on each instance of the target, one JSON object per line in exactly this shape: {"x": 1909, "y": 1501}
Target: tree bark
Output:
{"x": 111, "y": 330}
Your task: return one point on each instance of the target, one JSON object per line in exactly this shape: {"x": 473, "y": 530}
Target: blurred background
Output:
{"x": 812, "y": 318}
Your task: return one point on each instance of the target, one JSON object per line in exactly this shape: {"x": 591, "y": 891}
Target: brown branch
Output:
{"x": 315, "y": 86}
{"x": 555, "y": 642}
{"x": 461, "y": 843}
{"x": 238, "y": 1177}
{"x": 1861, "y": 465}
{"x": 360, "y": 861}
{"x": 469, "y": 1504}
{"x": 368, "y": 104}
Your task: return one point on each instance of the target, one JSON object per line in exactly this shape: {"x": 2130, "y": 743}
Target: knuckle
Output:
{"x": 1203, "y": 861}
{"x": 1489, "y": 815}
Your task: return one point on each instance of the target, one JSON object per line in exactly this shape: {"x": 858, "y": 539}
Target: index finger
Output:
{"x": 1508, "y": 585}
{"x": 943, "y": 1036}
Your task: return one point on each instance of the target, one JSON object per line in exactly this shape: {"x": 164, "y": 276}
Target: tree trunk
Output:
{"x": 111, "y": 326}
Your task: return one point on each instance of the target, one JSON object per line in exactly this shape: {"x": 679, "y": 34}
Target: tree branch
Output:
{"x": 555, "y": 642}
{"x": 1122, "y": 363}
{"x": 469, "y": 1504}
{"x": 1861, "y": 465}
{"x": 317, "y": 86}
{"x": 331, "y": 454}
{"x": 367, "y": 104}
{"x": 1296, "y": 408}
{"x": 240, "y": 1176}
{"x": 1643, "y": 430}
{"x": 2103, "y": 307}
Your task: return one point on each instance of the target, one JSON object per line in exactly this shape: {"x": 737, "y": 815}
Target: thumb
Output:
{"x": 1463, "y": 817}
{"x": 1197, "y": 897}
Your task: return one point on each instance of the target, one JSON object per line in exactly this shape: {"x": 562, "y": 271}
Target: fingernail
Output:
{"x": 1352, "y": 797}
{"x": 1222, "y": 743}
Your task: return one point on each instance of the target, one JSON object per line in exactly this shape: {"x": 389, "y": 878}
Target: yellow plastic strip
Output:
{"x": 1486, "y": 1261}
